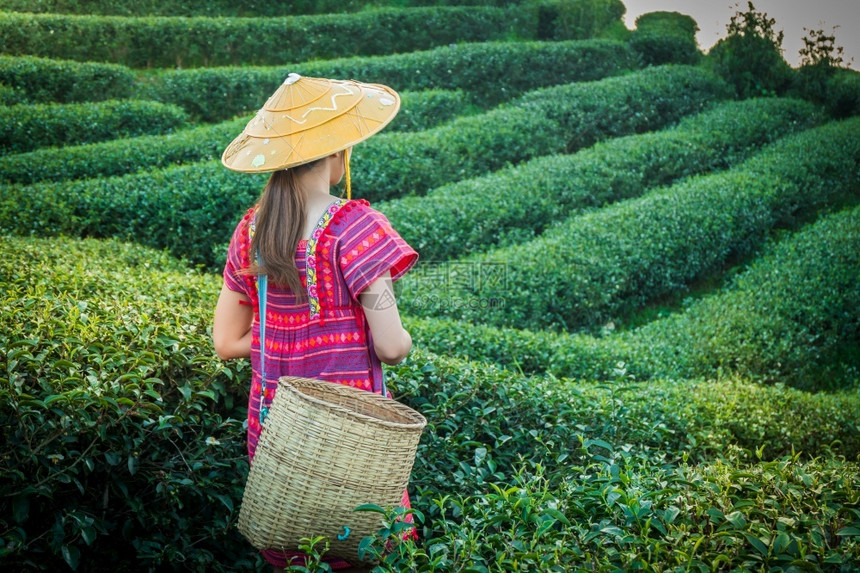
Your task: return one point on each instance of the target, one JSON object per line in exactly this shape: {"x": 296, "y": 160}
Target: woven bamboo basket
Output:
{"x": 326, "y": 449}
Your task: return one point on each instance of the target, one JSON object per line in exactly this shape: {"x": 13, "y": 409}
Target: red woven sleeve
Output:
{"x": 238, "y": 258}
{"x": 369, "y": 246}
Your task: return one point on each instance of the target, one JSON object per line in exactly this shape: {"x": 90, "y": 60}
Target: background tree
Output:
{"x": 750, "y": 56}
{"x": 824, "y": 77}
{"x": 820, "y": 50}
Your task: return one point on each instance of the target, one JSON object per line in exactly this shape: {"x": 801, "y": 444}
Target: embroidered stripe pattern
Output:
{"x": 311, "y": 254}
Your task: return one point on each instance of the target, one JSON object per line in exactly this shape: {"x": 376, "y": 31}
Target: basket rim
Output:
{"x": 419, "y": 423}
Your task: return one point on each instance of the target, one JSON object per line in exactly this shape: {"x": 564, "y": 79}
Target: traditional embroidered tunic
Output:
{"x": 325, "y": 337}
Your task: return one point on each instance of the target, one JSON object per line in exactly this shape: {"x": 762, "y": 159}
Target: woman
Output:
{"x": 330, "y": 263}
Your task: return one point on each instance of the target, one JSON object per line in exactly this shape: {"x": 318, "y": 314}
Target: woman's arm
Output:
{"x": 391, "y": 342}
{"x": 231, "y": 330}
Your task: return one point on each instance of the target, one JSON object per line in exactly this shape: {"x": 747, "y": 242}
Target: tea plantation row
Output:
{"x": 790, "y": 318}
{"x": 253, "y": 8}
{"x": 25, "y": 128}
{"x": 559, "y": 119}
{"x": 206, "y": 7}
{"x": 165, "y": 42}
{"x": 114, "y": 403}
{"x": 595, "y": 268}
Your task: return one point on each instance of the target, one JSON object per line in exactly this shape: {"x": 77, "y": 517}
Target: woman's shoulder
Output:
{"x": 240, "y": 243}
{"x": 354, "y": 216}
{"x": 246, "y": 221}
{"x": 368, "y": 245}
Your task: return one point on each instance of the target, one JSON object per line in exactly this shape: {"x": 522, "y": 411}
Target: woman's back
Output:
{"x": 325, "y": 335}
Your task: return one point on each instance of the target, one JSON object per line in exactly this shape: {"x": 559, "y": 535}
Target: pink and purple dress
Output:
{"x": 326, "y": 336}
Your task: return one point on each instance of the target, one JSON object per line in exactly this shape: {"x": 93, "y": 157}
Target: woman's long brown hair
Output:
{"x": 279, "y": 225}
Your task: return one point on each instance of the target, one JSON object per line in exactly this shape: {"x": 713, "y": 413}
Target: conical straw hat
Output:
{"x": 310, "y": 118}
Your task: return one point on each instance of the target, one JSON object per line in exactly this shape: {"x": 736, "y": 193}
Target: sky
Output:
{"x": 791, "y": 17}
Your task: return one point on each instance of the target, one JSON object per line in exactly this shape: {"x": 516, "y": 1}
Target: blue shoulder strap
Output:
{"x": 262, "y": 289}
{"x": 262, "y": 285}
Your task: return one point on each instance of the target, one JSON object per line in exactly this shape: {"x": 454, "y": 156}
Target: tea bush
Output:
{"x": 516, "y": 204}
{"x": 595, "y": 268}
{"x": 27, "y": 127}
{"x": 426, "y": 109}
{"x": 484, "y": 426}
{"x": 168, "y": 42}
{"x": 628, "y": 516}
{"x": 113, "y": 402}
{"x": 666, "y": 37}
{"x": 480, "y": 509}
{"x": 121, "y": 435}
{"x": 482, "y": 70}
{"x": 557, "y": 119}
{"x": 670, "y": 90}
{"x": 420, "y": 110}
{"x": 524, "y": 351}
{"x": 566, "y": 19}
{"x": 44, "y": 80}
{"x": 619, "y": 501}
{"x": 665, "y": 420}
{"x": 11, "y": 96}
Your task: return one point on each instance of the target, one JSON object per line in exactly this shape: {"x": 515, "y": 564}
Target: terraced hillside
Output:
{"x": 635, "y": 315}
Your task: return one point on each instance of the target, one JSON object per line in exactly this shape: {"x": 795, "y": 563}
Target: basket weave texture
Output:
{"x": 325, "y": 449}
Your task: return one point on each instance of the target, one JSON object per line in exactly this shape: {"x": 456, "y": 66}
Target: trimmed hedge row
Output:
{"x": 487, "y": 427}
{"x": 164, "y": 42}
{"x": 593, "y": 269}
{"x": 526, "y": 352}
{"x": 789, "y": 318}
{"x": 577, "y": 19}
{"x": 420, "y": 110}
{"x": 192, "y": 209}
{"x": 119, "y": 157}
{"x": 189, "y": 209}
{"x": 556, "y": 19}
{"x": 481, "y": 69}
{"x": 241, "y": 8}
{"x": 664, "y": 420}
{"x": 427, "y": 109}
{"x": 27, "y": 127}
{"x": 110, "y": 370}
{"x": 42, "y": 80}
{"x": 516, "y": 204}
{"x": 542, "y": 122}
